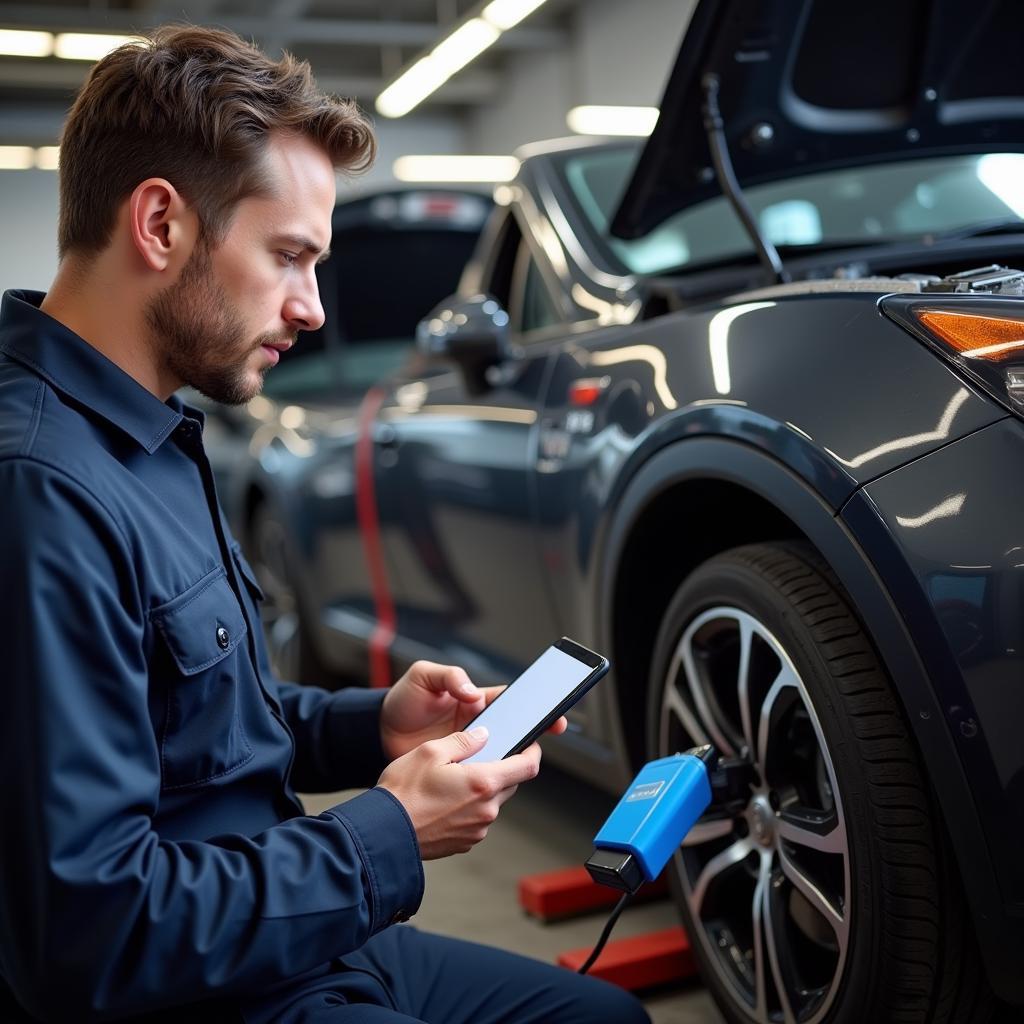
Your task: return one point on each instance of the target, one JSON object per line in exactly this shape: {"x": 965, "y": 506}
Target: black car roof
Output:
{"x": 812, "y": 85}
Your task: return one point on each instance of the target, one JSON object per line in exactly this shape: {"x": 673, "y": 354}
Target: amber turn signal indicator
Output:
{"x": 989, "y": 349}
{"x": 993, "y": 339}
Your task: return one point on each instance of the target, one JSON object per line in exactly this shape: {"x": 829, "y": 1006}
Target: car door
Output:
{"x": 454, "y": 469}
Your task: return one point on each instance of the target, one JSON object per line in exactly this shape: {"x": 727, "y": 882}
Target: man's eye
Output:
{"x": 288, "y": 257}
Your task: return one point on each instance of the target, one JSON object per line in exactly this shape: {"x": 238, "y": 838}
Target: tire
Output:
{"x": 289, "y": 647}
{"x": 826, "y": 893}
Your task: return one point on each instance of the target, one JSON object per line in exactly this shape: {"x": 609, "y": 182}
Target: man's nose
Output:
{"x": 303, "y": 310}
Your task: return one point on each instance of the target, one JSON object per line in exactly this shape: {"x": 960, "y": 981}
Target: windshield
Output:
{"x": 860, "y": 205}
{"x": 375, "y": 288}
{"x": 354, "y": 368}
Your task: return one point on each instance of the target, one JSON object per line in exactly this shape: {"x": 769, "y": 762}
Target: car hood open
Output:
{"x": 812, "y": 85}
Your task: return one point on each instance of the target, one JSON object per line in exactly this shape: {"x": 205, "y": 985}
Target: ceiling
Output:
{"x": 354, "y": 46}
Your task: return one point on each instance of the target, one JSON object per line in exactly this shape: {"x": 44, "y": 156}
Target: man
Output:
{"x": 156, "y": 863}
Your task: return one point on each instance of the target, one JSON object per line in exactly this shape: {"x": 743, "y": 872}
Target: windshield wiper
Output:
{"x": 1003, "y": 226}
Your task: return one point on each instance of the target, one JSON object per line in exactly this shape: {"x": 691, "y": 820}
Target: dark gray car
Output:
{"x": 740, "y": 409}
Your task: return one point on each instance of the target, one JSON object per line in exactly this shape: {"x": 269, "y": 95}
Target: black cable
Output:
{"x": 609, "y": 925}
{"x": 727, "y": 181}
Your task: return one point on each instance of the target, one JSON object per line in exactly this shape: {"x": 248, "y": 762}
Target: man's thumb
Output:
{"x": 460, "y": 745}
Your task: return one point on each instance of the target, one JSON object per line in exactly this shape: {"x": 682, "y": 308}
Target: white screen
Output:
{"x": 519, "y": 709}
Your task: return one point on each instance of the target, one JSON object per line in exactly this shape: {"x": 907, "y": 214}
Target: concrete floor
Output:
{"x": 548, "y": 825}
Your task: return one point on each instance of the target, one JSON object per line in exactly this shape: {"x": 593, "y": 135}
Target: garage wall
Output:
{"x": 28, "y": 212}
{"x": 426, "y": 133}
{"x": 28, "y": 199}
{"x": 618, "y": 53}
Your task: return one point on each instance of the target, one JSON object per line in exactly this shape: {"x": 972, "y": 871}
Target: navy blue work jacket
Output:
{"x": 153, "y": 849}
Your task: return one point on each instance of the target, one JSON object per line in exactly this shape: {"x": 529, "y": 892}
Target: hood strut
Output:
{"x": 713, "y": 125}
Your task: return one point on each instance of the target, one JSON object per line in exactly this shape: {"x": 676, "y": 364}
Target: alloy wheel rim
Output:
{"x": 767, "y": 879}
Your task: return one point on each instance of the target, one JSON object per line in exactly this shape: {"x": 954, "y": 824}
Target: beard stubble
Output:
{"x": 199, "y": 336}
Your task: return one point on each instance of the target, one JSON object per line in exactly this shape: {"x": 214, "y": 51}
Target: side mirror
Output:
{"x": 471, "y": 332}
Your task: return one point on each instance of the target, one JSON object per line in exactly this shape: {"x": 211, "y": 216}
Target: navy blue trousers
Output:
{"x": 403, "y": 975}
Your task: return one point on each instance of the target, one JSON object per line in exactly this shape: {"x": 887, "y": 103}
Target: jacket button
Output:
{"x": 222, "y": 638}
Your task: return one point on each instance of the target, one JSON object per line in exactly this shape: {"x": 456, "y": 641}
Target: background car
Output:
{"x": 742, "y": 411}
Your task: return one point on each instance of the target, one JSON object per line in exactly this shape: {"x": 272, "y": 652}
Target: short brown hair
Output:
{"x": 195, "y": 106}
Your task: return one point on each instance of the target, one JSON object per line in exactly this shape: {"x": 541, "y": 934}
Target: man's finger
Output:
{"x": 490, "y": 692}
{"x": 445, "y": 679}
{"x": 506, "y": 794}
{"x": 519, "y": 767}
{"x": 459, "y": 745}
{"x": 459, "y": 685}
{"x": 428, "y": 674}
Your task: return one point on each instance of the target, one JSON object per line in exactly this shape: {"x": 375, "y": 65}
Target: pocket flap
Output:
{"x": 203, "y": 624}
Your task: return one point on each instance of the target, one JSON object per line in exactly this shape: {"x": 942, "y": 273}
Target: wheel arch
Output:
{"x": 702, "y": 482}
{"x": 647, "y": 573}
{"x": 710, "y": 474}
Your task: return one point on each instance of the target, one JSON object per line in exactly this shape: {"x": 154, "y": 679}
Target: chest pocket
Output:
{"x": 203, "y": 633}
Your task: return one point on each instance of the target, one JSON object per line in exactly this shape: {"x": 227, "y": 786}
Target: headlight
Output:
{"x": 983, "y": 338}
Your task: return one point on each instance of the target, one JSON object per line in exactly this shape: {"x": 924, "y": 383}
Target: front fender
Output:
{"x": 854, "y": 555}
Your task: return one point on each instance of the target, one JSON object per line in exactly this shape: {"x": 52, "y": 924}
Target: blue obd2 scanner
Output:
{"x": 652, "y": 819}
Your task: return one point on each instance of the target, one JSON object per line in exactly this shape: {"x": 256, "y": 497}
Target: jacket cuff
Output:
{"x": 384, "y": 836}
{"x": 355, "y": 726}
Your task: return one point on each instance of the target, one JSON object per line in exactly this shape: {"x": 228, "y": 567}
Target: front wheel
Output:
{"x": 823, "y": 895}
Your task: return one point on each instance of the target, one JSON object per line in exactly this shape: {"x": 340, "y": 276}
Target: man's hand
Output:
{"x": 431, "y": 701}
{"x": 452, "y": 805}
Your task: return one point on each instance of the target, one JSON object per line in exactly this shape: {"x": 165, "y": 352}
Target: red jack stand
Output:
{"x": 640, "y": 962}
{"x": 557, "y": 894}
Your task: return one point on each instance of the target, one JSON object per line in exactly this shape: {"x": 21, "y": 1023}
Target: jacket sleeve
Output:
{"x": 100, "y": 916}
{"x": 337, "y": 736}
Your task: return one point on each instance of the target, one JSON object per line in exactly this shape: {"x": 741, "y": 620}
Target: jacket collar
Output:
{"x": 72, "y": 366}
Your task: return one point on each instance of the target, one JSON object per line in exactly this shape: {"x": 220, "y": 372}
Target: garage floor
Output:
{"x": 548, "y": 825}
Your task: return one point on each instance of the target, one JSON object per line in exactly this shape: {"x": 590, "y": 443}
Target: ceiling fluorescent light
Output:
{"x": 612, "y": 120}
{"x": 506, "y": 13}
{"x": 456, "y": 168}
{"x": 465, "y": 43}
{"x": 411, "y": 88}
{"x": 16, "y": 158}
{"x": 47, "y": 157}
{"x": 432, "y": 71}
{"x": 89, "y": 45}
{"x": 452, "y": 54}
{"x": 21, "y": 43}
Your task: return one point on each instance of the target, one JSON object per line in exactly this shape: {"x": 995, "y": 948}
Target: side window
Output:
{"x": 513, "y": 278}
{"x": 531, "y": 307}
{"x": 497, "y": 278}
{"x": 538, "y": 309}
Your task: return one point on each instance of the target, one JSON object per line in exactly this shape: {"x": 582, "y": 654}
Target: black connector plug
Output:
{"x": 707, "y": 753}
{"x": 615, "y": 868}
{"x": 731, "y": 779}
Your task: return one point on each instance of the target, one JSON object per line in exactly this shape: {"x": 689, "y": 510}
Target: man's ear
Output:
{"x": 160, "y": 222}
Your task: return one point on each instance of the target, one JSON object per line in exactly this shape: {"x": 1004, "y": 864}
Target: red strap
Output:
{"x": 369, "y": 529}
